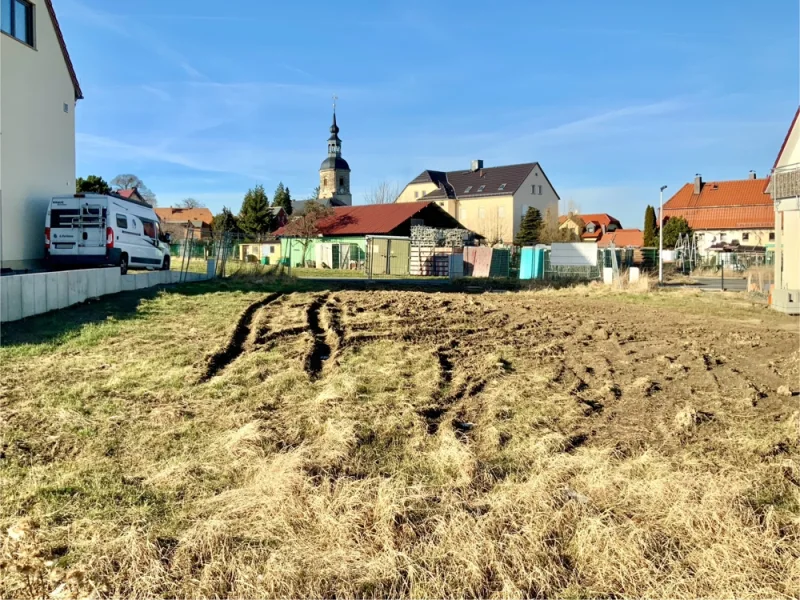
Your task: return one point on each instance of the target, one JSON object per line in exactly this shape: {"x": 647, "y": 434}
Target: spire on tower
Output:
{"x": 334, "y": 127}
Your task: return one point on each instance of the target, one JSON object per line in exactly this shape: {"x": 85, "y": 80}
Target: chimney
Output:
{"x": 476, "y": 165}
{"x": 751, "y": 175}
{"x": 698, "y": 184}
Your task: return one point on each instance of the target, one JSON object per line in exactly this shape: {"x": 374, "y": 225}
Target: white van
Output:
{"x": 95, "y": 230}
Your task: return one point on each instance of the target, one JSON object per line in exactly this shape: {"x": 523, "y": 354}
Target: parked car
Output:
{"x": 98, "y": 230}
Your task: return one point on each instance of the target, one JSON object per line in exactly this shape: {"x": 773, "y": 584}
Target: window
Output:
{"x": 324, "y": 182}
{"x": 16, "y": 19}
{"x": 66, "y": 108}
{"x": 416, "y": 194}
{"x": 533, "y": 189}
{"x": 341, "y": 181}
{"x": 745, "y": 237}
{"x": 502, "y": 187}
{"x": 272, "y": 249}
{"x": 481, "y": 213}
{"x": 149, "y": 229}
{"x": 122, "y": 221}
{"x": 462, "y": 214}
{"x": 772, "y": 236}
{"x": 468, "y": 190}
{"x": 440, "y": 203}
{"x": 501, "y": 212}
{"x": 722, "y": 236}
{"x": 480, "y": 189}
{"x": 540, "y": 190}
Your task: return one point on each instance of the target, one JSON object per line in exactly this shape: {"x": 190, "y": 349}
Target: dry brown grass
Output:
{"x": 564, "y": 443}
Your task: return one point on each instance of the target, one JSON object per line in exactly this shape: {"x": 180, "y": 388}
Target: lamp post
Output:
{"x": 661, "y": 236}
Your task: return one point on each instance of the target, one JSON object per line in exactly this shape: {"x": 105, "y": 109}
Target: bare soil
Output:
{"x": 358, "y": 444}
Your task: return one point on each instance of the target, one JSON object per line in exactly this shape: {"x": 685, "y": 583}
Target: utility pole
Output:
{"x": 661, "y": 236}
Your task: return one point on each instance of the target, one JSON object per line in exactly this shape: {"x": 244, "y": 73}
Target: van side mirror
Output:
{"x": 168, "y": 238}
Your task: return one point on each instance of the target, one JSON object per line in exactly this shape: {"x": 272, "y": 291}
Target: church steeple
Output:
{"x": 334, "y": 172}
{"x": 334, "y": 143}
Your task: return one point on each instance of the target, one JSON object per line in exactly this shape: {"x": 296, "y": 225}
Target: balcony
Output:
{"x": 785, "y": 182}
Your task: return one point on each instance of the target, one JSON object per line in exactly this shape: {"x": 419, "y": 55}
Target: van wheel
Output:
{"x": 123, "y": 264}
{"x": 165, "y": 264}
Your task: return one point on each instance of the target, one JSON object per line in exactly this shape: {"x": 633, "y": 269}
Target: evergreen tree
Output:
{"x": 225, "y": 221}
{"x": 528, "y": 234}
{"x": 255, "y": 217}
{"x": 283, "y": 198}
{"x": 650, "y": 228}
{"x": 672, "y": 229}
{"x": 93, "y": 184}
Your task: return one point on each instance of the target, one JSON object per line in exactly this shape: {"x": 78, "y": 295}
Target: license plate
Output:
{"x": 64, "y": 246}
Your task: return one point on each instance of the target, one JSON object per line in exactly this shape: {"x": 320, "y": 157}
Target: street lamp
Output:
{"x": 661, "y": 236}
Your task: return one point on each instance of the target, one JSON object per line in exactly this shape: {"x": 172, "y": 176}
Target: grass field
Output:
{"x": 252, "y": 439}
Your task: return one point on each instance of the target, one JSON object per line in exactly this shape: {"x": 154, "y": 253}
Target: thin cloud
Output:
{"x": 159, "y": 93}
{"x": 129, "y": 29}
{"x": 589, "y": 124}
{"x": 230, "y": 159}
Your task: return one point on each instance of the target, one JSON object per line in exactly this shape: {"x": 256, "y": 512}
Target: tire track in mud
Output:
{"x": 320, "y": 349}
{"x": 235, "y": 346}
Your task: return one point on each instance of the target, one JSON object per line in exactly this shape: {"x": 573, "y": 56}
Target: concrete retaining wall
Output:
{"x": 36, "y": 293}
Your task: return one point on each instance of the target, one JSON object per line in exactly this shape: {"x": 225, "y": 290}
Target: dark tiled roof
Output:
{"x": 483, "y": 182}
{"x": 64, "y": 51}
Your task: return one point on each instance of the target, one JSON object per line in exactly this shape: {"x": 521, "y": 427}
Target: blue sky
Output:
{"x": 205, "y": 98}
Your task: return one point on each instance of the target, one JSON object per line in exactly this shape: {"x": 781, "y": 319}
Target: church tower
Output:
{"x": 334, "y": 172}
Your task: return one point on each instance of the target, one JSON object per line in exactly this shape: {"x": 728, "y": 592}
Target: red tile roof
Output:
{"x": 738, "y": 204}
{"x": 127, "y": 193}
{"x": 737, "y": 217}
{"x": 600, "y": 219}
{"x": 373, "y": 219}
{"x": 64, "y": 51}
{"x": 623, "y": 238}
{"x": 182, "y": 215}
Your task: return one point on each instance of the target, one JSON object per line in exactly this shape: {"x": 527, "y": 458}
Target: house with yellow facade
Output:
{"x": 490, "y": 201}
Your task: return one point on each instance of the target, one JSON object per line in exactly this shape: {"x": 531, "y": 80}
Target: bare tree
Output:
{"x": 128, "y": 181}
{"x": 573, "y": 208}
{"x": 384, "y": 193}
{"x": 190, "y": 203}
{"x": 306, "y": 225}
{"x": 551, "y": 230}
{"x": 493, "y": 229}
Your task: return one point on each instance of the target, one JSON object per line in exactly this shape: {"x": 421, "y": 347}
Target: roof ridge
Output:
{"x": 705, "y": 183}
{"x": 532, "y": 164}
{"x": 63, "y": 44}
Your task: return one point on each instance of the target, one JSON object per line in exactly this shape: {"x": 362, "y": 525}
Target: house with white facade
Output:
{"x": 784, "y": 187}
{"x": 38, "y": 94}
{"x": 735, "y": 212}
